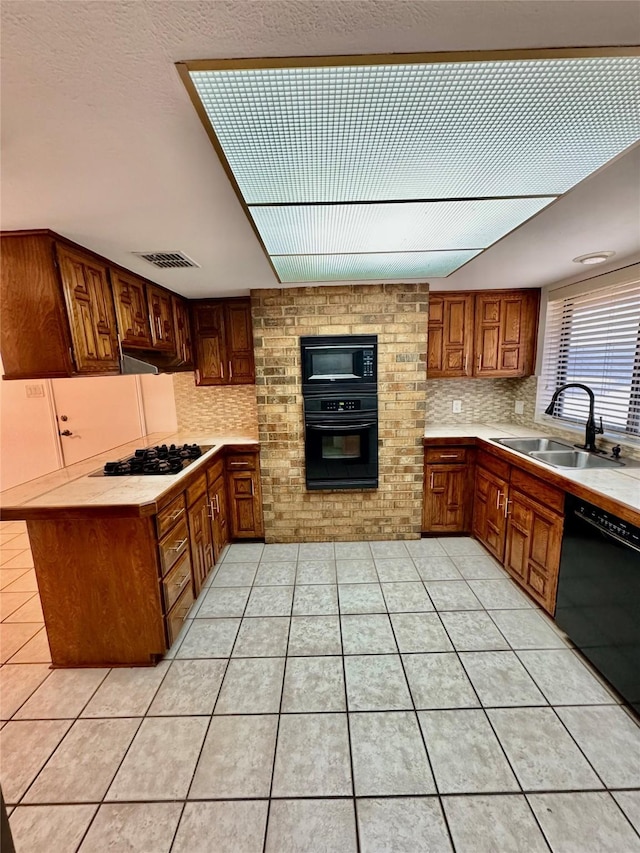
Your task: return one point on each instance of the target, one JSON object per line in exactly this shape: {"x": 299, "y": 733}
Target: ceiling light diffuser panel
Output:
{"x": 506, "y": 135}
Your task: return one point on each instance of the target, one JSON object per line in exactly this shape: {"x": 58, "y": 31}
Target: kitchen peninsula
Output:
{"x": 120, "y": 560}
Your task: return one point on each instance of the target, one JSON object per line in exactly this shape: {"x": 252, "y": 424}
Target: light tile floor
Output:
{"x": 381, "y": 696}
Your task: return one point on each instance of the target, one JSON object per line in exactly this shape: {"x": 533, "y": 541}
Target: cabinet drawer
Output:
{"x": 446, "y": 455}
{"x": 242, "y": 461}
{"x": 176, "y": 581}
{"x": 199, "y": 487}
{"x": 168, "y": 516}
{"x": 178, "y": 613}
{"x": 174, "y": 545}
{"x": 491, "y": 463}
{"x": 549, "y": 496}
{"x": 216, "y": 470}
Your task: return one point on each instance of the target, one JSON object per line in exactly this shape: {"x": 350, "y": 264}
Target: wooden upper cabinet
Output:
{"x": 224, "y": 342}
{"x": 161, "y": 318}
{"x": 92, "y": 317}
{"x": 239, "y": 339}
{"x": 208, "y": 326}
{"x": 182, "y": 329}
{"x": 487, "y": 333}
{"x": 130, "y": 297}
{"x": 506, "y": 324}
{"x": 450, "y": 335}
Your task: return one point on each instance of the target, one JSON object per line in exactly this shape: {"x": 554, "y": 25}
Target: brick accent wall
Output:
{"x": 397, "y": 313}
{"x": 227, "y": 410}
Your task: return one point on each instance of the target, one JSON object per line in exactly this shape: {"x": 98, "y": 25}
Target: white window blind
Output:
{"x": 594, "y": 338}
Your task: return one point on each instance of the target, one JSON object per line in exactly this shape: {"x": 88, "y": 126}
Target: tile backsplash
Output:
{"x": 229, "y": 410}
{"x": 482, "y": 400}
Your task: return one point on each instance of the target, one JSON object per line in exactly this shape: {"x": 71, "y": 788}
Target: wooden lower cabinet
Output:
{"x": 116, "y": 589}
{"x": 489, "y": 511}
{"x": 532, "y": 553}
{"x": 447, "y": 508}
{"x": 519, "y": 518}
{"x": 245, "y": 496}
{"x": 201, "y": 541}
{"x": 219, "y": 515}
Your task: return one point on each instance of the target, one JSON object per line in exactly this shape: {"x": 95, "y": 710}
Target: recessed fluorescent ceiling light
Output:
{"x": 408, "y": 170}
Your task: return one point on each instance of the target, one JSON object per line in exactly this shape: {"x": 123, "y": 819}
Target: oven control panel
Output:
{"x": 340, "y": 405}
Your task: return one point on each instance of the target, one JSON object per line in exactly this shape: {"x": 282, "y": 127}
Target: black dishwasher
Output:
{"x": 598, "y": 602}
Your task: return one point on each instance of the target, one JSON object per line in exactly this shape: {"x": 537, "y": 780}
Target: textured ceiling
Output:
{"x": 101, "y": 143}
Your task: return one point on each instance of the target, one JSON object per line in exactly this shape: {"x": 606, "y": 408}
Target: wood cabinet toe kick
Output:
{"x": 117, "y": 583}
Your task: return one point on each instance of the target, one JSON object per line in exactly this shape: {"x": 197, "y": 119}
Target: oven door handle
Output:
{"x": 608, "y": 533}
{"x": 341, "y": 427}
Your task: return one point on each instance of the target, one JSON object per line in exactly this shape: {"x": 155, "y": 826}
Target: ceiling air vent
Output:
{"x": 167, "y": 260}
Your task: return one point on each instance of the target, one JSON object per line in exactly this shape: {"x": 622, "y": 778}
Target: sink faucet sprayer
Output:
{"x": 591, "y": 429}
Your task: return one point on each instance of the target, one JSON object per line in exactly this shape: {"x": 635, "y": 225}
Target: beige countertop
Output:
{"x": 72, "y": 487}
{"x": 619, "y": 484}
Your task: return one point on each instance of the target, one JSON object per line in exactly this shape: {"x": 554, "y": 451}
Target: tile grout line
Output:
{"x": 275, "y": 745}
{"x": 422, "y": 737}
{"x": 346, "y": 706}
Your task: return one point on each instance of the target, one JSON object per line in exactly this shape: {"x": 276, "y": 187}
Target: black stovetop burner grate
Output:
{"x": 161, "y": 459}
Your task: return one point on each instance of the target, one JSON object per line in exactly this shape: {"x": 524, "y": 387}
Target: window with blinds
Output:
{"x": 594, "y": 338}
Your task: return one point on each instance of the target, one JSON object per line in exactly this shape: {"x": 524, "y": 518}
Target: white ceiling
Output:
{"x": 101, "y": 143}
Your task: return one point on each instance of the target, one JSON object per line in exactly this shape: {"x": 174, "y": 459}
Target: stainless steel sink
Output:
{"x": 527, "y": 445}
{"x": 573, "y": 459}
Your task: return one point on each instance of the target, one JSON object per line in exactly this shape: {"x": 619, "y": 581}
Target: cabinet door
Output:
{"x": 450, "y": 335}
{"x": 532, "y": 555}
{"x": 201, "y": 542}
{"x": 219, "y": 522}
{"x": 208, "y": 324}
{"x": 91, "y": 312}
{"x": 130, "y": 297}
{"x": 489, "y": 521}
{"x": 161, "y": 317}
{"x": 182, "y": 328}
{"x": 505, "y": 333}
{"x": 239, "y": 343}
{"x": 446, "y": 499}
{"x": 245, "y": 505}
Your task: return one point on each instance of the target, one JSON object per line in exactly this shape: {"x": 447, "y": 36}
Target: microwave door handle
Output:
{"x": 341, "y": 427}
{"x": 348, "y": 347}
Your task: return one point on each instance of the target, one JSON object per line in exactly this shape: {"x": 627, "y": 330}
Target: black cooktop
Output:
{"x": 161, "y": 459}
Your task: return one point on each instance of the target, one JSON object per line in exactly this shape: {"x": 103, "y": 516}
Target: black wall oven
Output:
{"x": 337, "y": 363}
{"x": 341, "y": 441}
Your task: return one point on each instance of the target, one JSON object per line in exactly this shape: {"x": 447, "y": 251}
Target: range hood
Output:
{"x": 129, "y": 365}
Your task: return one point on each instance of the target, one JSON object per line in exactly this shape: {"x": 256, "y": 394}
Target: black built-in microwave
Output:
{"x": 334, "y": 362}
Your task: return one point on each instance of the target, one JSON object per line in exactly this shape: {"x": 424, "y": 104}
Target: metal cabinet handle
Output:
{"x": 466, "y": 361}
{"x": 238, "y": 464}
{"x": 479, "y": 361}
{"x": 252, "y": 492}
{"x": 221, "y": 370}
{"x": 212, "y": 509}
{"x": 498, "y": 496}
{"x": 178, "y": 545}
{"x": 431, "y": 481}
{"x": 217, "y": 503}
{"x": 230, "y": 370}
{"x": 183, "y": 582}
{"x": 448, "y": 456}
{"x": 177, "y": 514}
{"x": 507, "y": 504}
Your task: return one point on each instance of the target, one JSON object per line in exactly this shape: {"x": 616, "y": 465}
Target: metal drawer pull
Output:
{"x": 431, "y": 481}
{"x": 185, "y": 610}
{"x": 217, "y": 503}
{"x": 175, "y": 515}
{"x": 178, "y": 545}
{"x": 212, "y": 509}
{"x": 498, "y": 496}
{"x": 239, "y": 463}
{"x": 252, "y": 487}
{"x": 183, "y": 582}
{"x": 506, "y": 507}
{"x": 448, "y": 456}
{"x": 230, "y": 371}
